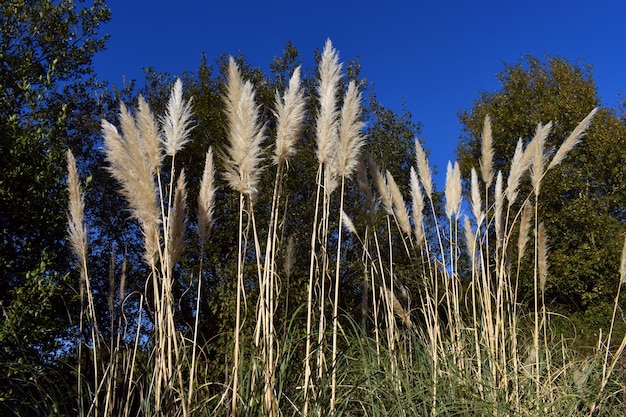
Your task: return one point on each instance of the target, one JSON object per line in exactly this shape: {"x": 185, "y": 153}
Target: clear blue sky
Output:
{"x": 436, "y": 55}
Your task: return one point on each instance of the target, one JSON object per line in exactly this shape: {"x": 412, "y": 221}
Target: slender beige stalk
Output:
{"x": 622, "y": 268}
{"x": 399, "y": 207}
{"x": 206, "y": 203}
{"x": 348, "y": 148}
{"x": 486, "y": 160}
{"x": 424, "y": 169}
{"x": 606, "y": 370}
{"x": 289, "y": 112}
{"x": 327, "y": 136}
{"x": 573, "y": 139}
{"x": 242, "y": 172}
{"x": 206, "y": 197}
{"x": 177, "y": 120}
{"x": 418, "y": 208}
{"x": 543, "y": 257}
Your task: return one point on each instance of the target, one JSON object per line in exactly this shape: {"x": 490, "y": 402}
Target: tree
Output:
{"x": 47, "y": 105}
{"x": 582, "y": 201}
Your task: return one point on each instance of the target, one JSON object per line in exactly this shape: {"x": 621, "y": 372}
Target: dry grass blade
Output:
{"x": 289, "y": 114}
{"x": 206, "y": 197}
{"x": 176, "y": 123}
{"x": 573, "y": 139}
{"x": 327, "y": 118}
{"x": 487, "y": 152}
{"x": 245, "y": 134}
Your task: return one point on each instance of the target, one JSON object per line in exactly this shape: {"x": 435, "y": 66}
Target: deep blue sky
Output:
{"x": 436, "y": 55}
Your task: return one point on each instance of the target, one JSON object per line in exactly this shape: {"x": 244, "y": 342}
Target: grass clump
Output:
{"x": 460, "y": 342}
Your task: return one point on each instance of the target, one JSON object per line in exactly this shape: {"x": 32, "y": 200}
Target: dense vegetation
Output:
{"x": 242, "y": 245}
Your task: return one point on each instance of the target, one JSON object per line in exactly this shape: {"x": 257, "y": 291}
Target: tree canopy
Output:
{"x": 582, "y": 201}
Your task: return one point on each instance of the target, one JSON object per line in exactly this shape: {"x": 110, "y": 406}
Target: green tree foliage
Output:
{"x": 582, "y": 201}
{"x": 48, "y": 103}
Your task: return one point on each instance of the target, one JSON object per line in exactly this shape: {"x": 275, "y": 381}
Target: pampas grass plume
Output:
{"x": 417, "y": 199}
{"x": 516, "y": 172}
{"x": 149, "y": 131}
{"x": 539, "y": 157}
{"x": 453, "y": 189}
{"x": 245, "y": 136}
{"x": 76, "y": 226}
{"x": 327, "y": 118}
{"x": 351, "y": 138}
{"x": 573, "y": 139}
{"x": 476, "y": 199}
{"x": 130, "y": 165}
{"x": 177, "y": 120}
{"x": 206, "y": 197}
{"x": 399, "y": 207}
{"x": 289, "y": 113}
{"x": 347, "y": 223}
{"x": 423, "y": 169}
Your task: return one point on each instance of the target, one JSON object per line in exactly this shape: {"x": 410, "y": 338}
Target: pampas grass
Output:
{"x": 457, "y": 341}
